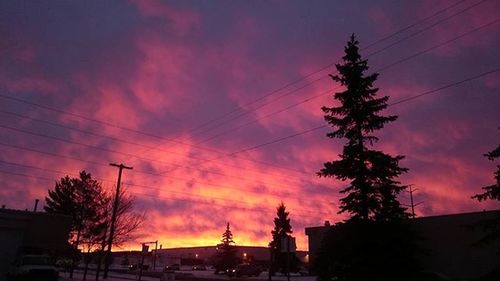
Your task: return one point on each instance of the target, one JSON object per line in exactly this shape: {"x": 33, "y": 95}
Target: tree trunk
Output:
{"x": 77, "y": 242}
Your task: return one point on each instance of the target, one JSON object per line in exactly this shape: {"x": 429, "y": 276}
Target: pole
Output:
{"x": 140, "y": 270}
{"x": 36, "y": 205}
{"x": 411, "y": 202}
{"x": 113, "y": 217}
{"x": 154, "y": 257}
{"x": 270, "y": 262}
{"x": 288, "y": 259}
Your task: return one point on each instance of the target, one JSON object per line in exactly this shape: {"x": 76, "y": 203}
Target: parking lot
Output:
{"x": 183, "y": 274}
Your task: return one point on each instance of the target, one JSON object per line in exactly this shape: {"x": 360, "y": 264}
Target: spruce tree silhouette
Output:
{"x": 226, "y": 256}
{"x": 282, "y": 229}
{"x": 375, "y": 243}
{"x": 373, "y": 189}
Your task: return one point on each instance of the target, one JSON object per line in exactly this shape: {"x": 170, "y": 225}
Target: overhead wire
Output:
{"x": 18, "y": 115}
{"x": 434, "y": 91}
{"x": 178, "y": 142}
{"x": 135, "y": 131}
{"x": 182, "y": 180}
{"x": 246, "y": 112}
{"x": 122, "y": 153}
{"x": 378, "y": 70}
{"x": 310, "y": 130}
{"x": 238, "y": 202}
{"x": 321, "y": 69}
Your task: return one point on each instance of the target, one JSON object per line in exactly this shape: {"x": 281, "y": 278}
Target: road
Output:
{"x": 185, "y": 275}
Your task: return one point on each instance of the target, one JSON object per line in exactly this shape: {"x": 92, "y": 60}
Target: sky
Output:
{"x": 217, "y": 105}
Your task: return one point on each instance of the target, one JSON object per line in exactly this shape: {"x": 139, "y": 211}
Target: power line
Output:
{"x": 203, "y": 148}
{"x": 428, "y": 27}
{"x": 445, "y": 87}
{"x": 417, "y": 23}
{"x": 323, "y": 126}
{"x": 211, "y": 203}
{"x": 159, "y": 175}
{"x": 263, "y": 97}
{"x": 392, "y": 104}
{"x": 116, "y": 151}
{"x": 125, "y": 141}
{"x": 130, "y": 184}
{"x": 381, "y": 69}
{"x": 248, "y": 111}
{"x": 136, "y": 131}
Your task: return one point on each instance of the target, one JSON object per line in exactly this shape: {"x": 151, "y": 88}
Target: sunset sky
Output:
{"x": 216, "y": 105}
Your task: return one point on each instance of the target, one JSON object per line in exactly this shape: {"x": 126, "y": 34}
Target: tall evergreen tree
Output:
{"x": 373, "y": 189}
{"x": 282, "y": 229}
{"x": 375, "y": 243}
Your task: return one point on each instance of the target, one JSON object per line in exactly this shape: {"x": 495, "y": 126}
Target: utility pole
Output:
{"x": 156, "y": 250}
{"x": 412, "y": 205}
{"x": 113, "y": 217}
{"x": 154, "y": 259}
{"x": 36, "y": 205}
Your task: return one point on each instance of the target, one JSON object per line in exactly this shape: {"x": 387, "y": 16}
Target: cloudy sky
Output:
{"x": 216, "y": 105}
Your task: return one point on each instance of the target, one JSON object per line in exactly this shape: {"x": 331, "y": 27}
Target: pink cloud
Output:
{"x": 182, "y": 20}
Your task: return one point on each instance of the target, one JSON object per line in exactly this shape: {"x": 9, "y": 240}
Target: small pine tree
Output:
{"x": 227, "y": 236}
{"x": 282, "y": 229}
{"x": 226, "y": 257}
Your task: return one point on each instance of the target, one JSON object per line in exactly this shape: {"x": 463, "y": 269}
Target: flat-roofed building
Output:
{"x": 450, "y": 240}
{"x": 25, "y": 232}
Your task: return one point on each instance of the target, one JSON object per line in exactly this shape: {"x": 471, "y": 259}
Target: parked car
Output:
{"x": 303, "y": 271}
{"x": 137, "y": 266}
{"x": 244, "y": 270}
{"x": 33, "y": 267}
{"x": 199, "y": 267}
{"x": 173, "y": 267}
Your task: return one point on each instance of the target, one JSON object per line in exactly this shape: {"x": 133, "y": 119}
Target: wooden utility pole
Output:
{"x": 113, "y": 217}
{"x": 413, "y": 205}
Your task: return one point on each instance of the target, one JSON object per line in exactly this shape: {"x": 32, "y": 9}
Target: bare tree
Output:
{"x": 128, "y": 222}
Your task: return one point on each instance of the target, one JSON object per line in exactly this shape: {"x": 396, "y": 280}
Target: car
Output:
{"x": 173, "y": 267}
{"x": 199, "y": 267}
{"x": 137, "y": 266}
{"x": 303, "y": 271}
{"x": 33, "y": 267}
{"x": 244, "y": 270}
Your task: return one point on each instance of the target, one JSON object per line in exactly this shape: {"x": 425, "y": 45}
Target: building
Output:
{"x": 450, "y": 240}
{"x": 188, "y": 256}
{"x": 24, "y": 232}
